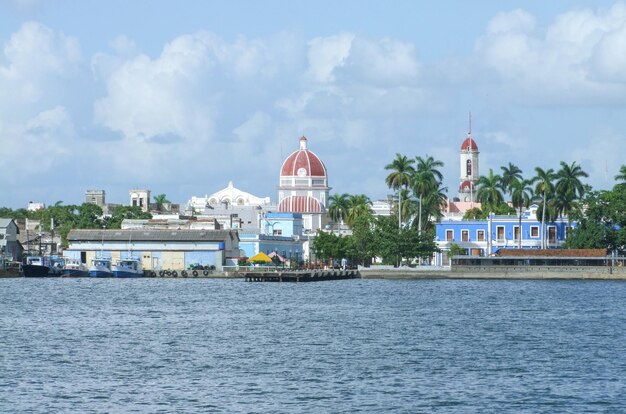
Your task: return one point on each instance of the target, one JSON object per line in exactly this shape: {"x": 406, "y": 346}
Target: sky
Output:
{"x": 182, "y": 97}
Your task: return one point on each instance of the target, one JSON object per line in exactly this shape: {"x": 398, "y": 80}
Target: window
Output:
{"x": 449, "y": 235}
{"x": 500, "y": 233}
{"x": 465, "y": 235}
{"x": 480, "y": 235}
{"x": 552, "y": 234}
{"x": 468, "y": 168}
{"x": 534, "y": 231}
{"x": 516, "y": 233}
{"x": 277, "y": 232}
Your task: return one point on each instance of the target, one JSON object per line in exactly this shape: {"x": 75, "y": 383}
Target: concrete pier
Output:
{"x": 301, "y": 276}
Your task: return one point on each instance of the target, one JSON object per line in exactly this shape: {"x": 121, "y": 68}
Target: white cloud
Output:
{"x": 325, "y": 54}
{"x": 578, "y": 59}
{"x": 36, "y": 55}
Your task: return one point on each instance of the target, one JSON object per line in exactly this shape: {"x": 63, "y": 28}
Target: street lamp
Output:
{"x": 290, "y": 264}
{"x": 284, "y": 255}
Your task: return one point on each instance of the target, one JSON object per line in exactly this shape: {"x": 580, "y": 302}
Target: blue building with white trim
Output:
{"x": 280, "y": 233}
{"x": 472, "y": 235}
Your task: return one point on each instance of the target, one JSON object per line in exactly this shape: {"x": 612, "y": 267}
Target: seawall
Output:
{"x": 497, "y": 272}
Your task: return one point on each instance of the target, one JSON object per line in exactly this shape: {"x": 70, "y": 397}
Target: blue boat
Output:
{"x": 101, "y": 267}
{"x": 130, "y": 267}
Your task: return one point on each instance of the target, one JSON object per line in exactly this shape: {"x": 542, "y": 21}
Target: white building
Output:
{"x": 224, "y": 198}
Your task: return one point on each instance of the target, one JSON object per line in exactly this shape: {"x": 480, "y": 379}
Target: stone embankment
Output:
{"x": 495, "y": 272}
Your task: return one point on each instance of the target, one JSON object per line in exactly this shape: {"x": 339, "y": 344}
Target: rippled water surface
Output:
{"x": 202, "y": 345}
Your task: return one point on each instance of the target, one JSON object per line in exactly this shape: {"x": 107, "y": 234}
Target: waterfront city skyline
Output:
{"x": 182, "y": 100}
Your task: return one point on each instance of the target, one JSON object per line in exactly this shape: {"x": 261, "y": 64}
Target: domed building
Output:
{"x": 304, "y": 187}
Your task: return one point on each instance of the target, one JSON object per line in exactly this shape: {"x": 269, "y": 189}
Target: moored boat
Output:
{"x": 101, "y": 267}
{"x": 130, "y": 267}
{"x": 9, "y": 268}
{"x": 42, "y": 266}
{"x": 74, "y": 268}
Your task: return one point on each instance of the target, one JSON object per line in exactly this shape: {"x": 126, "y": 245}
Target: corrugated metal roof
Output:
{"x": 152, "y": 235}
{"x": 4, "y": 222}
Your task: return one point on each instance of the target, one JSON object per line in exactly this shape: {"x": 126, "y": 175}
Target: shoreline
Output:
{"x": 498, "y": 272}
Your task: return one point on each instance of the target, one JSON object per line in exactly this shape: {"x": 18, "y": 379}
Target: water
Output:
{"x": 201, "y": 345}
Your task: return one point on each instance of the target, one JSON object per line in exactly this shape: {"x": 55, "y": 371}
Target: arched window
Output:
{"x": 468, "y": 168}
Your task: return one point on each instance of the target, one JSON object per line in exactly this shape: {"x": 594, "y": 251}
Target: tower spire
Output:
{"x": 470, "y": 123}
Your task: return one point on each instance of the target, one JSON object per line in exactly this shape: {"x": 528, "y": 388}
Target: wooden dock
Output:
{"x": 301, "y": 275}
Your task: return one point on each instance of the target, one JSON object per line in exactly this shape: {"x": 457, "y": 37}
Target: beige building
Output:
{"x": 158, "y": 249}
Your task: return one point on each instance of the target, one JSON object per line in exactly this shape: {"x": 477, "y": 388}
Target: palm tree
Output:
{"x": 338, "y": 208}
{"x": 544, "y": 187}
{"x": 426, "y": 180}
{"x": 400, "y": 177}
{"x": 521, "y": 197}
{"x": 489, "y": 195}
{"x": 160, "y": 200}
{"x": 622, "y": 175}
{"x": 510, "y": 175}
{"x": 569, "y": 189}
{"x": 568, "y": 180}
{"x": 359, "y": 205}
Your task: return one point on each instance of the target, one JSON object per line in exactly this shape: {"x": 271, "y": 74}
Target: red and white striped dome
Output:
{"x": 303, "y": 163}
{"x": 469, "y": 143}
{"x": 300, "y": 204}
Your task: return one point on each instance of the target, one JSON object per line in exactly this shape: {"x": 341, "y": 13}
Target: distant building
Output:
{"x": 225, "y": 198}
{"x": 96, "y": 197}
{"x": 32, "y": 206}
{"x": 382, "y": 207}
{"x": 303, "y": 187}
{"x": 140, "y": 198}
{"x": 158, "y": 249}
{"x": 280, "y": 233}
{"x": 9, "y": 243}
{"x": 472, "y": 235}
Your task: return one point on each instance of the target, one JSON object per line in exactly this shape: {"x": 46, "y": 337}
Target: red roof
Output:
{"x": 303, "y": 163}
{"x": 299, "y": 204}
{"x": 466, "y": 184}
{"x": 469, "y": 143}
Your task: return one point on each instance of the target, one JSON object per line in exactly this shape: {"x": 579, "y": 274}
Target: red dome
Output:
{"x": 469, "y": 143}
{"x": 303, "y": 163}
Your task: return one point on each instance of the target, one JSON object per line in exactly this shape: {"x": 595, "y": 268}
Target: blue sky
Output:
{"x": 181, "y": 97}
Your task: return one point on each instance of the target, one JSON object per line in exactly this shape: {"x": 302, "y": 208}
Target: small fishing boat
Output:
{"x": 101, "y": 267}
{"x": 74, "y": 268}
{"x": 42, "y": 266}
{"x": 9, "y": 268}
{"x": 130, "y": 267}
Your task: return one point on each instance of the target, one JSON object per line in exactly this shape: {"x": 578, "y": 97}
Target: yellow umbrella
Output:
{"x": 260, "y": 257}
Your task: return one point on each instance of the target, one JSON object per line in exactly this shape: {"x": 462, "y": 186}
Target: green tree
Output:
{"x": 511, "y": 175}
{"x": 544, "y": 187}
{"x": 359, "y": 205}
{"x": 489, "y": 194}
{"x": 621, "y": 176}
{"x": 426, "y": 183}
{"x": 338, "y": 208}
{"x": 160, "y": 200}
{"x": 400, "y": 178}
{"x": 521, "y": 197}
{"x": 569, "y": 189}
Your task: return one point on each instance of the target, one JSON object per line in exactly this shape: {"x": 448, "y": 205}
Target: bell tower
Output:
{"x": 468, "y": 167}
